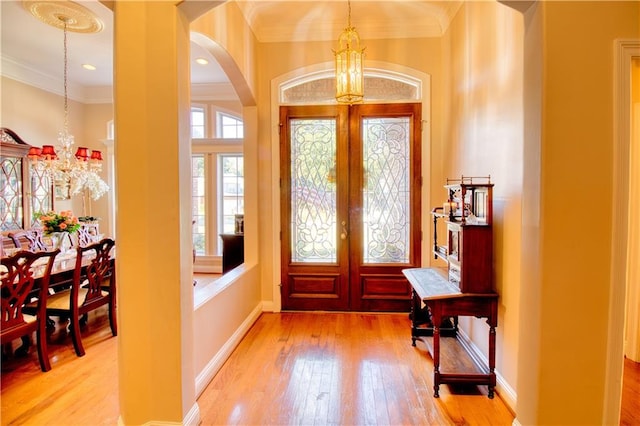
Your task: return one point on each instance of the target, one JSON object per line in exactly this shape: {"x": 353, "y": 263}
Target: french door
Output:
{"x": 350, "y": 185}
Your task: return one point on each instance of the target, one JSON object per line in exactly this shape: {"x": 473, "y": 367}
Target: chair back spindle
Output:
{"x": 28, "y": 239}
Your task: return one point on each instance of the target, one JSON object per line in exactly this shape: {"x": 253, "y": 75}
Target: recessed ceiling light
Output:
{"x": 89, "y": 67}
{"x": 202, "y": 61}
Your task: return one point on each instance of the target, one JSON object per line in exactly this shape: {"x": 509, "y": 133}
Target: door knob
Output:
{"x": 343, "y": 235}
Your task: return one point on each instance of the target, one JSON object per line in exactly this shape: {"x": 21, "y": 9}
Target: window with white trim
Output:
{"x": 231, "y": 193}
{"x": 217, "y": 193}
{"x": 229, "y": 127}
{"x": 217, "y": 179}
{"x": 199, "y": 204}
{"x": 198, "y": 128}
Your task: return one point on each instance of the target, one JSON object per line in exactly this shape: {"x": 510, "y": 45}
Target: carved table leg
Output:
{"x": 436, "y": 360}
{"x": 414, "y": 316}
{"x": 492, "y": 357}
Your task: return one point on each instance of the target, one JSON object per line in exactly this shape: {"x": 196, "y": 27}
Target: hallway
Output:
{"x": 291, "y": 368}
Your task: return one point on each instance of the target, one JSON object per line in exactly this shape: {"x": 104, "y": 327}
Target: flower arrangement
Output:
{"x": 52, "y": 222}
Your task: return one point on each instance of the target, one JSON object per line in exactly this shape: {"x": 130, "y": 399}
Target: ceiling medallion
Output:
{"x": 78, "y": 18}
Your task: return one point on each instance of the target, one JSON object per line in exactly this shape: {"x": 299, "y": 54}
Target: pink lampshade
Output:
{"x": 81, "y": 154}
{"x": 96, "y": 155}
{"x": 34, "y": 153}
{"x": 48, "y": 152}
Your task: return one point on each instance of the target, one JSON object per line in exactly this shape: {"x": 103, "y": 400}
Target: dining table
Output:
{"x": 61, "y": 276}
{"x": 63, "y": 268}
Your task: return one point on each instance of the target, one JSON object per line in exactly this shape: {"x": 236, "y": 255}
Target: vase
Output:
{"x": 59, "y": 240}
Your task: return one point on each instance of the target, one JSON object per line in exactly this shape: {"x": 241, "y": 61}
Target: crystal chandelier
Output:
{"x": 78, "y": 171}
{"x": 349, "y": 66}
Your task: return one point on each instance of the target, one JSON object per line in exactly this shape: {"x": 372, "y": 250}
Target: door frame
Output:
{"x": 349, "y": 282}
{"x": 379, "y": 69}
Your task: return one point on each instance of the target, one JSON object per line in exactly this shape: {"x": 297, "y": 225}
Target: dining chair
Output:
{"x": 28, "y": 239}
{"x": 93, "y": 286}
{"x": 84, "y": 237}
{"x": 18, "y": 277}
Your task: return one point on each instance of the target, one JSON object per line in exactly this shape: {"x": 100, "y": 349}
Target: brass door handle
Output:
{"x": 344, "y": 234}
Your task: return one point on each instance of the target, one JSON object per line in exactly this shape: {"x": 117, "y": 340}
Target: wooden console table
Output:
{"x": 443, "y": 300}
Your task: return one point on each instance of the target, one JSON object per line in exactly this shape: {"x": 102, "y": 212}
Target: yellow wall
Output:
{"x": 482, "y": 135}
{"x": 564, "y": 334}
{"x": 632, "y": 335}
{"x": 153, "y": 157}
{"x": 226, "y": 35}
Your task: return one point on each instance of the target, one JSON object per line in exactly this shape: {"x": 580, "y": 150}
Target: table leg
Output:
{"x": 492, "y": 356}
{"x": 415, "y": 301}
{"x": 436, "y": 352}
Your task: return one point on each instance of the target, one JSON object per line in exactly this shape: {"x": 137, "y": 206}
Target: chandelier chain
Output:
{"x": 66, "y": 98}
{"x": 76, "y": 172}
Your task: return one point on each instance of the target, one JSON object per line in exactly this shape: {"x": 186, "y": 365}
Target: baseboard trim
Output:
{"x": 211, "y": 369}
{"x": 192, "y": 418}
{"x": 268, "y": 306}
{"x": 506, "y": 392}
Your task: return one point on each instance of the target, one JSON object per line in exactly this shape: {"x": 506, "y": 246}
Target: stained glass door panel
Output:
{"x": 385, "y": 193}
{"x": 313, "y": 190}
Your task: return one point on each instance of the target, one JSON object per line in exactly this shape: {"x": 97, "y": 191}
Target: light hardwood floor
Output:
{"x": 291, "y": 368}
{"x": 338, "y": 369}
{"x": 630, "y": 412}
{"x": 76, "y": 391}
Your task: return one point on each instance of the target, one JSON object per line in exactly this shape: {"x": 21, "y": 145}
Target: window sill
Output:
{"x": 209, "y": 285}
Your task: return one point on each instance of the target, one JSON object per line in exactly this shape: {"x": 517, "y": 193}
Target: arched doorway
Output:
{"x": 384, "y": 83}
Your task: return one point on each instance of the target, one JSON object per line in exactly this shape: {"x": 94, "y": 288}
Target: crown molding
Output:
{"x": 33, "y": 77}
{"x": 100, "y": 94}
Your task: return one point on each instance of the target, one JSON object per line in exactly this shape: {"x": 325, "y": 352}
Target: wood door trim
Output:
{"x": 365, "y": 280}
{"x": 313, "y": 285}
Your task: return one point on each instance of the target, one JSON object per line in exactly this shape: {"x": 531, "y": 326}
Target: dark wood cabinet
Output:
{"x": 470, "y": 261}
{"x": 468, "y": 217}
{"x": 232, "y": 251}
{"x": 23, "y": 188}
{"x": 464, "y": 287}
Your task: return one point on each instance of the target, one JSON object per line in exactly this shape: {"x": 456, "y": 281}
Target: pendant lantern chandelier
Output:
{"x": 78, "y": 171}
{"x": 349, "y": 66}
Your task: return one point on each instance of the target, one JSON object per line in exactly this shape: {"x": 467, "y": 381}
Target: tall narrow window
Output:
{"x": 232, "y": 190}
{"x": 199, "y": 203}
{"x": 197, "y": 122}
{"x": 229, "y": 127}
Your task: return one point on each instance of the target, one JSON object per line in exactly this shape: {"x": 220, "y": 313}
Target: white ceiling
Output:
{"x": 32, "y": 51}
